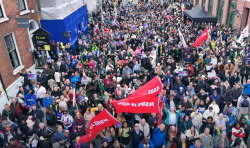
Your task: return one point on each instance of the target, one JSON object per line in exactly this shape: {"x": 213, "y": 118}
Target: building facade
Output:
{"x": 15, "y": 44}
{"x": 223, "y": 9}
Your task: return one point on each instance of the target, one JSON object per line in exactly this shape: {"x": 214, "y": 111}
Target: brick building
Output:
{"x": 15, "y": 43}
{"x": 223, "y": 10}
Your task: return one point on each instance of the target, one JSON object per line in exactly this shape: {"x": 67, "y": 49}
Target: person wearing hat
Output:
{"x": 129, "y": 92}
{"x": 229, "y": 66}
{"x": 243, "y": 104}
{"x": 119, "y": 89}
{"x": 215, "y": 97}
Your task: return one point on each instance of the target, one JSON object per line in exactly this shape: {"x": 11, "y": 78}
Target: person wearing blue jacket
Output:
{"x": 215, "y": 97}
{"x": 125, "y": 70}
{"x": 181, "y": 89}
{"x": 197, "y": 144}
{"x": 58, "y": 136}
{"x": 47, "y": 100}
{"x": 159, "y": 136}
{"x": 168, "y": 80}
{"x": 147, "y": 143}
{"x": 247, "y": 88}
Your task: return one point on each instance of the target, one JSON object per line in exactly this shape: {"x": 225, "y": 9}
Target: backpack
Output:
{"x": 244, "y": 103}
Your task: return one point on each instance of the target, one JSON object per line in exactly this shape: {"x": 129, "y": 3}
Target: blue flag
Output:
{"x": 30, "y": 100}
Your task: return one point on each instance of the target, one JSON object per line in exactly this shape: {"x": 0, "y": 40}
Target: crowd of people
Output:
{"x": 125, "y": 47}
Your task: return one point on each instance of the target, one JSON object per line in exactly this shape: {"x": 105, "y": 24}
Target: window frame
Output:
{"x": 4, "y": 18}
{"x": 23, "y": 1}
{"x": 20, "y": 66}
{"x": 1, "y": 12}
{"x": 24, "y": 11}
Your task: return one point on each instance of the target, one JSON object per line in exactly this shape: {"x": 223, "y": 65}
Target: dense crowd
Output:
{"x": 125, "y": 47}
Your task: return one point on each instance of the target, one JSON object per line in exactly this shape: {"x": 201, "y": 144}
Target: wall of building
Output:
{"x": 239, "y": 21}
{"x": 10, "y": 78}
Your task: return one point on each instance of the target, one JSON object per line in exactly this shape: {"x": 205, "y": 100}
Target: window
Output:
{"x": 231, "y": 15}
{"x": 204, "y": 4}
{"x": 1, "y": 12}
{"x": 33, "y": 25}
{"x": 12, "y": 51}
{"x": 21, "y": 5}
{"x": 3, "y": 17}
{"x": 211, "y": 2}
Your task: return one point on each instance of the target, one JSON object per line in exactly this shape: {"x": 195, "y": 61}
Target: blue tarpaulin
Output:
{"x": 75, "y": 21}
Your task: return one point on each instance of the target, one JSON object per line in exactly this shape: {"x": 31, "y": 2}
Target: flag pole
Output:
{"x": 4, "y": 89}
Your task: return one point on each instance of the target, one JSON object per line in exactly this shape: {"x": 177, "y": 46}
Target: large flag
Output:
{"x": 160, "y": 113}
{"x": 30, "y": 100}
{"x": 97, "y": 124}
{"x": 201, "y": 38}
{"x": 244, "y": 33}
{"x": 182, "y": 38}
{"x": 142, "y": 104}
{"x": 152, "y": 88}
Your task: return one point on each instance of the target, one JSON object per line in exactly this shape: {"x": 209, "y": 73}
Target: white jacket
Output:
{"x": 207, "y": 113}
{"x": 57, "y": 77}
{"x": 234, "y": 130}
{"x": 189, "y": 135}
{"x": 216, "y": 108}
{"x": 196, "y": 119}
{"x": 40, "y": 92}
{"x": 145, "y": 130}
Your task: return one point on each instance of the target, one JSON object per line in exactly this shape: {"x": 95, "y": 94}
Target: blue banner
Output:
{"x": 30, "y": 100}
{"x": 32, "y": 76}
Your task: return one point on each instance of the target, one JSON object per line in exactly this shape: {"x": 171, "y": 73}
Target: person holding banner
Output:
{"x": 26, "y": 79}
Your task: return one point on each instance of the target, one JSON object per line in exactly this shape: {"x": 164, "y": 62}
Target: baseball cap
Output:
{"x": 183, "y": 136}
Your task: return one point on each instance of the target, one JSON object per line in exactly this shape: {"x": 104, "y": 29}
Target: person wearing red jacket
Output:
{"x": 17, "y": 107}
{"x": 106, "y": 81}
{"x": 71, "y": 101}
{"x": 15, "y": 143}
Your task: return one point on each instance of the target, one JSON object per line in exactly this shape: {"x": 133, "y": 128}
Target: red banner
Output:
{"x": 146, "y": 104}
{"x": 160, "y": 112}
{"x": 201, "y": 38}
{"x": 98, "y": 123}
{"x": 152, "y": 88}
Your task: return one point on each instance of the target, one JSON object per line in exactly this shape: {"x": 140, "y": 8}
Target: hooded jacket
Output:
{"x": 159, "y": 138}
{"x": 216, "y": 98}
{"x": 151, "y": 145}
